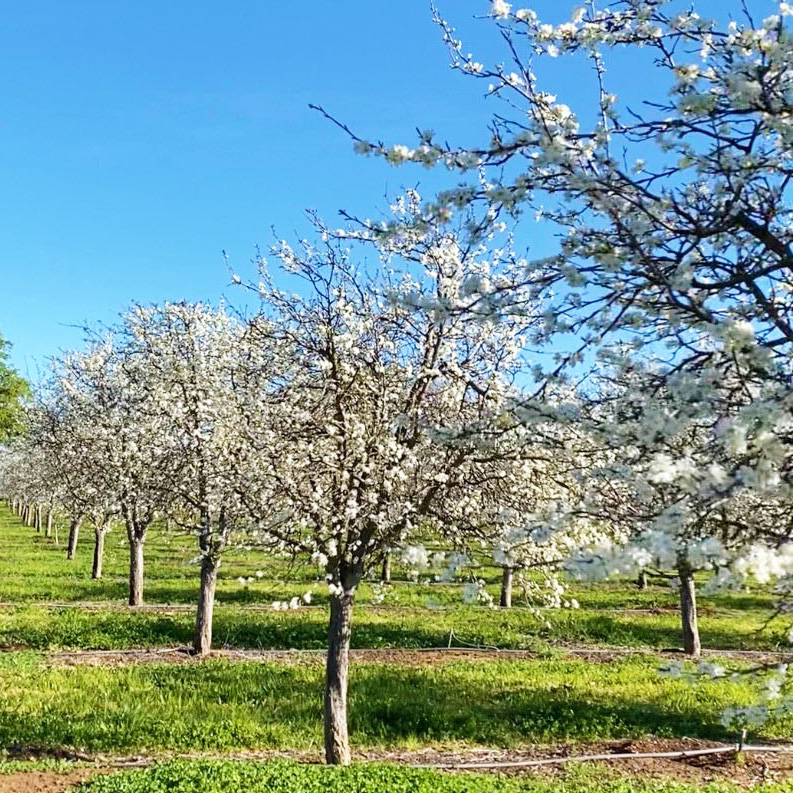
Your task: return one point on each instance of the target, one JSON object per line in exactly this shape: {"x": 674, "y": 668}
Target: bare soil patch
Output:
{"x": 46, "y": 781}
{"x": 397, "y": 656}
{"x": 182, "y": 655}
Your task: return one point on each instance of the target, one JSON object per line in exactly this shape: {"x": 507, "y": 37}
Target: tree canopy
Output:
{"x": 13, "y": 390}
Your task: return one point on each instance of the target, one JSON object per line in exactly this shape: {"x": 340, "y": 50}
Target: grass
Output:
{"x": 224, "y": 705}
{"x": 45, "y": 628}
{"x": 33, "y": 570}
{"x": 219, "y": 776}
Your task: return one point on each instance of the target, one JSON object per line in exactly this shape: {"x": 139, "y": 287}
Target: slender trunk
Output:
{"x": 688, "y": 610}
{"x": 99, "y": 551}
{"x": 641, "y": 580}
{"x": 37, "y": 517}
{"x": 202, "y": 639}
{"x": 136, "y": 541}
{"x": 506, "y": 588}
{"x": 385, "y": 576}
{"x": 337, "y": 739}
{"x": 48, "y": 530}
{"x": 74, "y": 531}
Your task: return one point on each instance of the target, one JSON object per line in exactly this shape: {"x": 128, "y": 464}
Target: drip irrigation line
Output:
{"x": 682, "y": 755}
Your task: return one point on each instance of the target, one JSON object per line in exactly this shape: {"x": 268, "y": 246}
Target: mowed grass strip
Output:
{"x": 224, "y": 705}
{"x": 414, "y": 615}
{"x": 47, "y": 628}
{"x": 216, "y": 776}
{"x": 33, "y": 568}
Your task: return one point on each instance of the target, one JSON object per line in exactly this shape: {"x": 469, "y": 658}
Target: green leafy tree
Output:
{"x": 13, "y": 390}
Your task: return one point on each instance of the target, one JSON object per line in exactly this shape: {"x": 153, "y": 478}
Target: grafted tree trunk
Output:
{"x": 641, "y": 580}
{"x": 99, "y": 551}
{"x": 385, "y": 575}
{"x": 337, "y": 739}
{"x": 202, "y": 639}
{"x": 688, "y": 609}
{"x": 506, "y": 588}
{"x": 74, "y": 531}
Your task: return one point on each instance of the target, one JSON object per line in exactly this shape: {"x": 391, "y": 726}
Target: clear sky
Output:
{"x": 139, "y": 140}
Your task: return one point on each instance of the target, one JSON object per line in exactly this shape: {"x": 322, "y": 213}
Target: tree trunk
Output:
{"x": 337, "y": 739}
{"x": 385, "y": 576}
{"x": 48, "y": 530}
{"x": 202, "y": 639}
{"x": 136, "y": 541}
{"x": 74, "y": 531}
{"x": 506, "y": 588}
{"x": 99, "y": 552}
{"x": 688, "y": 611}
{"x": 37, "y": 517}
{"x": 641, "y": 580}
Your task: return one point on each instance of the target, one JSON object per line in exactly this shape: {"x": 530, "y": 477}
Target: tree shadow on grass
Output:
{"x": 75, "y": 628}
{"x": 656, "y": 631}
{"x": 226, "y": 705}
{"x": 440, "y": 711}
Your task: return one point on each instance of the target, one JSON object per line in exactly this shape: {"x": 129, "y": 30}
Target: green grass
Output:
{"x": 33, "y": 569}
{"x": 219, "y": 776}
{"x": 44, "y": 628}
{"x": 222, "y": 705}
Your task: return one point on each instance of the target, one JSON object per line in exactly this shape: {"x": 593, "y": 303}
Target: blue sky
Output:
{"x": 138, "y": 141}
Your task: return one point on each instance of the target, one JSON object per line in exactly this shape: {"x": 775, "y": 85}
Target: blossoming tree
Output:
{"x": 188, "y": 357}
{"x": 673, "y": 221}
{"x": 388, "y": 418}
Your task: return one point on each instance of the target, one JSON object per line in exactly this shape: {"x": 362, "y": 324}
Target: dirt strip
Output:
{"x": 110, "y": 605}
{"x": 399, "y": 656}
{"x": 747, "y": 772}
